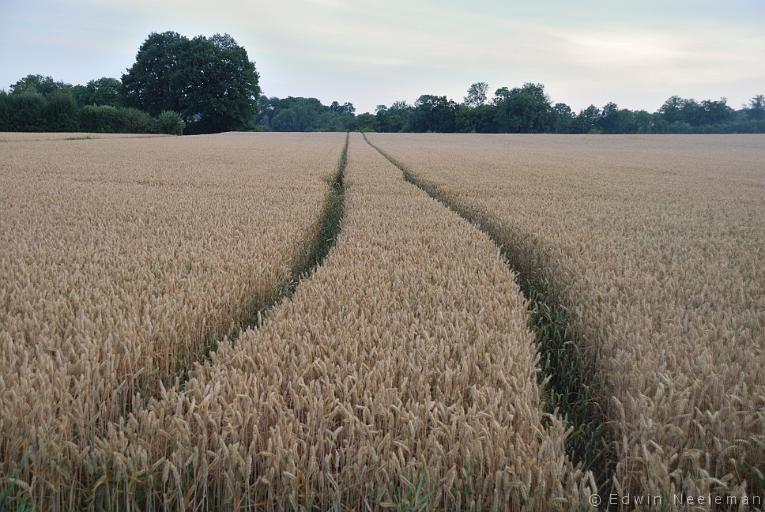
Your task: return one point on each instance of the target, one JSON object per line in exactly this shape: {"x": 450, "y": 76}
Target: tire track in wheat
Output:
{"x": 138, "y": 257}
{"x": 567, "y": 370}
{"x": 310, "y": 256}
{"x": 400, "y": 375}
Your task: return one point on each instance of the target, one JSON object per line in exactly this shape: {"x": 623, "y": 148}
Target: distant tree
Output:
{"x": 587, "y": 120}
{"x": 463, "y": 119}
{"x": 210, "y": 81}
{"x": 5, "y": 112}
{"x": 297, "y": 114}
{"x": 108, "y": 119}
{"x": 485, "y": 119}
{"x": 168, "y": 122}
{"x": 501, "y": 94}
{"x": 716, "y": 112}
{"x": 104, "y": 91}
{"x": 381, "y": 118}
{"x": 564, "y": 118}
{"x": 476, "y": 94}
{"x": 38, "y": 84}
{"x": 364, "y": 123}
{"x": 678, "y": 113}
{"x": 25, "y": 112}
{"x": 81, "y": 95}
{"x": 61, "y": 113}
{"x": 265, "y": 113}
{"x": 338, "y": 117}
{"x": 644, "y": 121}
{"x": 158, "y": 78}
{"x": 672, "y": 109}
{"x": 345, "y": 108}
{"x": 394, "y": 119}
{"x": 691, "y": 112}
{"x": 39, "y": 103}
{"x": 222, "y": 89}
{"x": 616, "y": 120}
{"x": 434, "y": 114}
{"x": 479, "y": 119}
{"x": 626, "y": 121}
{"x": 609, "y": 118}
{"x": 519, "y": 109}
{"x": 756, "y": 110}
{"x": 525, "y": 109}
{"x": 290, "y": 120}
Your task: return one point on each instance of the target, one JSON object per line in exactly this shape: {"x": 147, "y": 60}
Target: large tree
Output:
{"x": 104, "y": 91}
{"x": 156, "y": 80}
{"x": 672, "y": 111}
{"x": 525, "y": 109}
{"x": 716, "y": 112}
{"x": 564, "y": 118}
{"x": 613, "y": 120}
{"x": 476, "y": 94}
{"x": 210, "y": 81}
{"x": 587, "y": 120}
{"x": 396, "y": 118}
{"x": 297, "y": 114}
{"x": 434, "y": 114}
{"x": 39, "y": 84}
{"x": 756, "y": 108}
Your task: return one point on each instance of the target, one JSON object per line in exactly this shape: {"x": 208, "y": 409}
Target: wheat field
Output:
{"x": 656, "y": 246}
{"x": 170, "y": 338}
{"x": 123, "y": 262}
{"x": 69, "y": 136}
{"x": 401, "y": 373}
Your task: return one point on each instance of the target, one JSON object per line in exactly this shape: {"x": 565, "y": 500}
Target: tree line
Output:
{"x": 303, "y": 115}
{"x": 208, "y": 84}
{"x": 524, "y": 109}
{"x": 176, "y": 85}
{"x": 38, "y": 103}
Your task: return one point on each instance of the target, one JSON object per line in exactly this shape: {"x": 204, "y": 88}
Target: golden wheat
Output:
{"x": 656, "y": 244}
{"x": 69, "y": 136}
{"x": 122, "y": 261}
{"x": 400, "y": 374}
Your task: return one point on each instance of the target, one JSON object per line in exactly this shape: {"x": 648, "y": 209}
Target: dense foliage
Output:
{"x": 525, "y": 109}
{"x": 108, "y": 119}
{"x": 303, "y": 115}
{"x": 177, "y": 84}
{"x": 167, "y": 121}
{"x": 212, "y": 86}
{"x": 38, "y": 103}
{"x": 210, "y": 81}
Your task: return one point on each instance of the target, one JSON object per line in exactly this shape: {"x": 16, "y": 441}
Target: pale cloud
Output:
{"x": 664, "y": 50}
{"x": 371, "y": 52}
{"x": 335, "y": 4}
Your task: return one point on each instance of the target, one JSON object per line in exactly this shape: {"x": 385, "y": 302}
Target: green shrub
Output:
{"x": 168, "y": 121}
{"x": 5, "y": 111}
{"x": 133, "y": 120}
{"x": 108, "y": 119}
{"x": 23, "y": 112}
{"x": 61, "y": 114}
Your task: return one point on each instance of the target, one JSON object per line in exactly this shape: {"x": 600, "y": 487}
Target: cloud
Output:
{"x": 335, "y": 4}
{"x": 370, "y": 52}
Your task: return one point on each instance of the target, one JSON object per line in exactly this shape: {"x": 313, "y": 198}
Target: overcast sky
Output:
{"x": 636, "y": 53}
